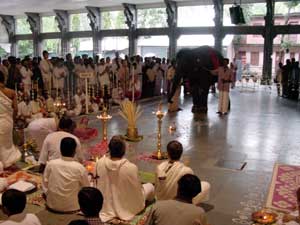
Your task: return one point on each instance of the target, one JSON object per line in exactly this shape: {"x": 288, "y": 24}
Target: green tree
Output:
{"x": 22, "y": 26}
{"x": 25, "y": 47}
{"x": 154, "y": 17}
{"x": 3, "y": 53}
{"x": 49, "y": 24}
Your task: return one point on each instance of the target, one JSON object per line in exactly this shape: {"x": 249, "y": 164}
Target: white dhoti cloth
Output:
{"x": 9, "y": 154}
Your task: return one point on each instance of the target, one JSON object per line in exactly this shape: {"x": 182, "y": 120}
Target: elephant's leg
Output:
{"x": 203, "y": 96}
{"x": 199, "y": 99}
{"x": 196, "y": 97}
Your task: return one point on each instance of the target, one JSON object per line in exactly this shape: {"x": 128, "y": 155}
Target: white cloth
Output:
{"x": 122, "y": 191}
{"x": 51, "y": 147}
{"x": 103, "y": 77}
{"x": 39, "y": 129}
{"x": 223, "y": 101}
{"x": 62, "y": 180}
{"x": 26, "y": 78}
{"x": 79, "y": 68}
{"x": 22, "y": 219}
{"x": 9, "y": 154}
{"x": 46, "y": 69}
{"x": 50, "y": 105}
{"x": 173, "y": 212}
{"x": 167, "y": 176}
{"x": 35, "y": 106}
{"x": 59, "y": 73}
{"x": 24, "y": 109}
{"x": 78, "y": 104}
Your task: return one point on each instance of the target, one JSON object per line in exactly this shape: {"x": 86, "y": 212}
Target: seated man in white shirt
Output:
{"x": 63, "y": 178}
{"x": 51, "y": 145}
{"x": 180, "y": 211}
{"x": 169, "y": 172}
{"x": 25, "y": 110}
{"x": 13, "y": 205}
{"x": 124, "y": 195}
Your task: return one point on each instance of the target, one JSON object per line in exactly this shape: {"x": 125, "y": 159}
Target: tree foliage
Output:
{"x": 25, "y": 47}
{"x": 154, "y": 17}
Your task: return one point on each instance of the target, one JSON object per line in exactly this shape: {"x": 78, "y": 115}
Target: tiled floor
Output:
{"x": 260, "y": 130}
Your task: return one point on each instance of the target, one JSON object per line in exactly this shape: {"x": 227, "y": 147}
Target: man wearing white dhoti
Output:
{"x": 103, "y": 74}
{"x": 26, "y": 74}
{"x": 38, "y": 130}
{"x": 59, "y": 75}
{"x": 9, "y": 154}
{"x": 168, "y": 173}
{"x": 51, "y": 145}
{"x": 63, "y": 179}
{"x": 25, "y": 110}
{"x": 46, "y": 69}
{"x": 124, "y": 195}
{"x": 36, "y": 109}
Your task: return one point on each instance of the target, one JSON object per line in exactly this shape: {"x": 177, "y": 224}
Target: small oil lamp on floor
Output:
{"x": 159, "y": 114}
{"x": 104, "y": 117}
{"x": 59, "y": 104}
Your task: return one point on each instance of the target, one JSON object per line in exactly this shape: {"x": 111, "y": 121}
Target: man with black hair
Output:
{"x": 124, "y": 195}
{"x": 51, "y": 145}
{"x": 91, "y": 200}
{"x": 180, "y": 211}
{"x": 13, "y": 205}
{"x": 63, "y": 178}
{"x": 169, "y": 172}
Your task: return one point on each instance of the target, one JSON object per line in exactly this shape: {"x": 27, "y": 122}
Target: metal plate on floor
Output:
{"x": 231, "y": 164}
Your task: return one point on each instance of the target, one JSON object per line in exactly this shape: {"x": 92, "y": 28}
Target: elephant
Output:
{"x": 195, "y": 66}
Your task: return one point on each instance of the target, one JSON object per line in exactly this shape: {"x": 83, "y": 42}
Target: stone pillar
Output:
{"x": 130, "y": 13}
{"x": 269, "y": 36}
{"x": 218, "y": 32}
{"x": 94, "y": 16}
{"x": 34, "y": 21}
{"x": 62, "y": 18}
{"x": 10, "y": 25}
{"x": 171, "y": 8}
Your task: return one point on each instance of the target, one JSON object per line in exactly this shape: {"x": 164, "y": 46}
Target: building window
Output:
{"x": 202, "y": 16}
{"x": 254, "y": 60}
{"x": 22, "y": 26}
{"x": 25, "y": 48}
{"x": 113, "y": 20}
{"x": 154, "y": 17}
{"x": 53, "y": 46}
{"x": 49, "y": 24}
{"x": 110, "y": 45}
{"x": 81, "y": 46}
{"x": 79, "y": 22}
{"x": 149, "y": 46}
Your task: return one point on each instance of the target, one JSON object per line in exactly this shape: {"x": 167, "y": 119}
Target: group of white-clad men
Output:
{"x": 117, "y": 179}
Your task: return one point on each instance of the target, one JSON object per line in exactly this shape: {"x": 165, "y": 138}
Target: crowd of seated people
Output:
{"x": 118, "y": 194}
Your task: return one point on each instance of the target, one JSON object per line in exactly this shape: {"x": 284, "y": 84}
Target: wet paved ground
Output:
{"x": 260, "y": 130}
